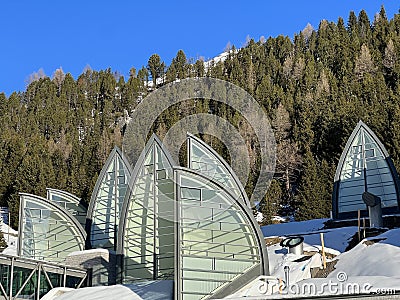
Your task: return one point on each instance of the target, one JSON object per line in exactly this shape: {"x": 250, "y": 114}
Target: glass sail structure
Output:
{"x": 180, "y": 224}
{"x": 204, "y": 159}
{"x": 148, "y": 224}
{"x": 189, "y": 226}
{"x": 70, "y": 202}
{"x": 365, "y": 165}
{"x": 106, "y": 202}
{"x": 218, "y": 244}
{"x": 47, "y": 231}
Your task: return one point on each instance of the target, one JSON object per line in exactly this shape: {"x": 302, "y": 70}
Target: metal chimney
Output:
{"x": 295, "y": 244}
{"x": 374, "y": 205}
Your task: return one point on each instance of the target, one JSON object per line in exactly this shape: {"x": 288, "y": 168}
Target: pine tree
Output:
{"x": 364, "y": 63}
{"x": 313, "y": 197}
{"x": 270, "y": 205}
{"x": 156, "y": 68}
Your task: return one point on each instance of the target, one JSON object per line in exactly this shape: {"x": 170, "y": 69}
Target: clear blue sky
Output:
{"x": 123, "y": 34}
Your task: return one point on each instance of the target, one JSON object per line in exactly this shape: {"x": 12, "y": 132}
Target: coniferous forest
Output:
{"x": 315, "y": 87}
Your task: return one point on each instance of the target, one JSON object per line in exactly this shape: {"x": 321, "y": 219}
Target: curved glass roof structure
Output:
{"x": 206, "y": 160}
{"x": 47, "y": 231}
{"x": 70, "y": 202}
{"x": 364, "y": 165}
{"x": 219, "y": 243}
{"x": 188, "y": 226}
{"x": 147, "y": 225}
{"x": 106, "y": 202}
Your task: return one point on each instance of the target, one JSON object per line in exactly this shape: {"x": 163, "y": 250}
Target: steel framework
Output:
{"x": 23, "y": 278}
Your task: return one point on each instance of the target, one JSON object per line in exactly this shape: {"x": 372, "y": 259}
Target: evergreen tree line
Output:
{"x": 314, "y": 87}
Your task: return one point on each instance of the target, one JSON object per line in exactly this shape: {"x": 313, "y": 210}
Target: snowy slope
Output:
{"x": 379, "y": 259}
{"x": 373, "y": 266}
{"x": 279, "y": 258}
{"x": 11, "y": 239}
{"x": 93, "y": 293}
{"x": 293, "y": 228}
{"x": 336, "y": 239}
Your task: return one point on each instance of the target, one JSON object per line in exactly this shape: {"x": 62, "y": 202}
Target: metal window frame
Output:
{"x": 34, "y": 266}
{"x": 261, "y": 262}
{"x": 337, "y": 182}
{"x": 68, "y": 217}
{"x": 115, "y": 154}
{"x": 213, "y": 153}
{"x": 263, "y": 265}
{"x": 152, "y": 143}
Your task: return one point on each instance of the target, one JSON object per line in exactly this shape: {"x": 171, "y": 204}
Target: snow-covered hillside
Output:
{"x": 11, "y": 238}
{"x": 372, "y": 266}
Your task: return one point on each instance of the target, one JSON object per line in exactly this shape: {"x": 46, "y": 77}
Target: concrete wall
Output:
{"x": 102, "y": 263}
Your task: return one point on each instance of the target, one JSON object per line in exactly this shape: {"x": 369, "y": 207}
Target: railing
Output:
{"x": 23, "y": 278}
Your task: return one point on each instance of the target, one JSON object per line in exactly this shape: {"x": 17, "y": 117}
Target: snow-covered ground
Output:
{"x": 336, "y": 239}
{"x": 373, "y": 266}
{"x": 378, "y": 257}
{"x": 119, "y": 292}
{"x": 150, "y": 290}
{"x": 11, "y": 238}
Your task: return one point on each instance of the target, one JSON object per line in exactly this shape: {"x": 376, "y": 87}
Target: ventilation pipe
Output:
{"x": 295, "y": 244}
{"x": 286, "y": 270}
{"x": 374, "y": 205}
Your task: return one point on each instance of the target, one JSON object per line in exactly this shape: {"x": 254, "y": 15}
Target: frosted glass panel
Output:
{"x": 149, "y": 219}
{"x": 107, "y": 200}
{"x": 215, "y": 237}
{"x": 47, "y": 232}
{"x": 365, "y": 169}
{"x": 206, "y": 161}
{"x": 70, "y": 202}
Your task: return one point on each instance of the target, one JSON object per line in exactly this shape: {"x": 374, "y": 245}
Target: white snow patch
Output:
{"x": 336, "y": 239}
{"x": 279, "y": 219}
{"x": 293, "y": 228}
{"x": 352, "y": 285}
{"x": 119, "y": 292}
{"x": 259, "y": 217}
{"x": 279, "y": 258}
{"x": 154, "y": 290}
{"x": 219, "y": 58}
{"x": 379, "y": 259}
{"x": 82, "y": 252}
{"x": 11, "y": 238}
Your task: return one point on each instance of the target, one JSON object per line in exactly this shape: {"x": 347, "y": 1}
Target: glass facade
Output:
{"x": 364, "y": 166}
{"x": 205, "y": 160}
{"x": 70, "y": 202}
{"x": 216, "y": 241}
{"x": 148, "y": 237}
{"x": 192, "y": 226}
{"x": 47, "y": 231}
{"x": 106, "y": 203}
{"x": 30, "y": 279}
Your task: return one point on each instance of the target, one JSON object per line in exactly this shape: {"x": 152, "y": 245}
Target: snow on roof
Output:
{"x": 370, "y": 267}
{"x": 119, "y": 292}
{"x": 381, "y": 258}
{"x": 149, "y": 290}
{"x": 97, "y": 250}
